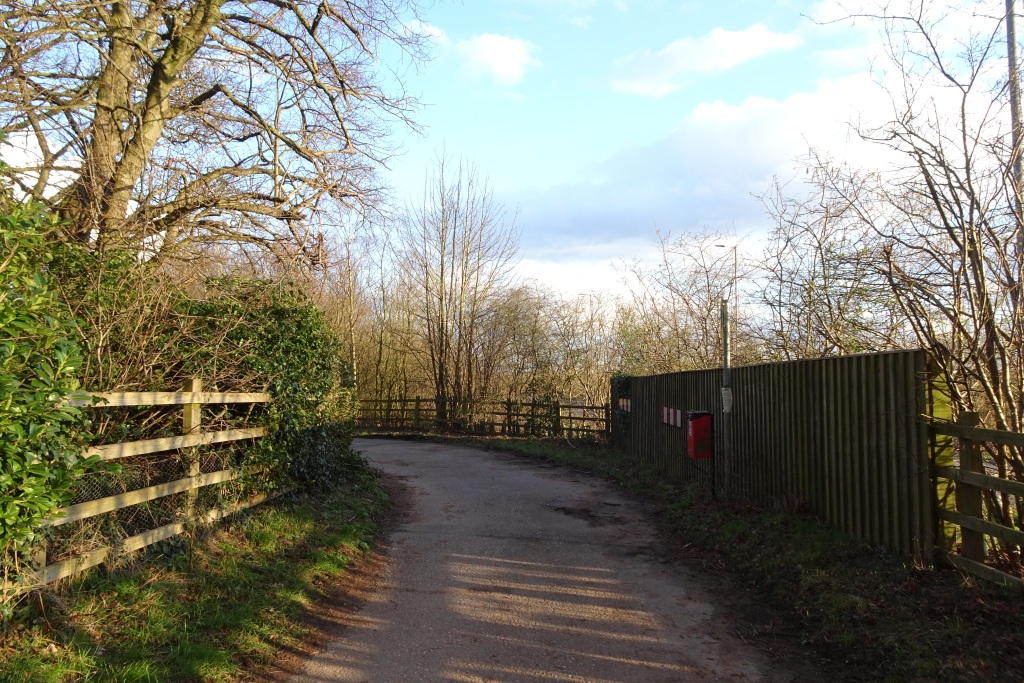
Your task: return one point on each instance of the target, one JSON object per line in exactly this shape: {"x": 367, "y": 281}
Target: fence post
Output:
{"x": 416, "y": 415}
{"x": 968, "y": 497}
{"x": 556, "y": 418}
{"x": 38, "y": 559}
{"x": 937, "y": 398}
{"x": 608, "y": 418}
{"x": 190, "y": 422}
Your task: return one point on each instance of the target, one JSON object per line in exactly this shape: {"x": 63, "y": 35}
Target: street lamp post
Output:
{"x": 727, "y": 379}
{"x": 726, "y": 403}
{"x": 735, "y": 273}
{"x": 1016, "y": 125}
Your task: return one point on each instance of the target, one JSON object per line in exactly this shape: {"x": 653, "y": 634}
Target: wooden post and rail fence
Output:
{"x": 191, "y": 399}
{"x": 506, "y": 418}
{"x": 972, "y": 480}
{"x": 526, "y": 419}
{"x": 863, "y": 442}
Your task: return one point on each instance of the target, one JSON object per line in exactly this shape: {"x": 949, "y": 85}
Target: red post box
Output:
{"x": 700, "y": 436}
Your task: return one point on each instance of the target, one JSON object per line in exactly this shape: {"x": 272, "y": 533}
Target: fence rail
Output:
{"x": 105, "y": 399}
{"x": 971, "y": 481}
{"x": 192, "y": 398}
{"x": 509, "y": 418}
{"x": 94, "y": 558}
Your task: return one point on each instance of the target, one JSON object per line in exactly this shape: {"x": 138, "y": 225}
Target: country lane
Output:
{"x": 506, "y": 569}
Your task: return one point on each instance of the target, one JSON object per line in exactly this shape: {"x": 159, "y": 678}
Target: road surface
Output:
{"x": 505, "y": 569}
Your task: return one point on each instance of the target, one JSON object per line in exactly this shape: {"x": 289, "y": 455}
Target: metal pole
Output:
{"x": 726, "y": 357}
{"x": 1015, "y": 120}
{"x": 735, "y": 282}
{"x": 726, "y": 402}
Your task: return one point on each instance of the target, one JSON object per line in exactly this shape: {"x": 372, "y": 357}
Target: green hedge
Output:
{"x": 287, "y": 341}
{"x": 71, "y": 318}
{"x": 41, "y": 438}
{"x": 238, "y": 334}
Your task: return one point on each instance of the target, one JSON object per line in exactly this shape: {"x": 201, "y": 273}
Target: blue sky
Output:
{"x": 600, "y": 121}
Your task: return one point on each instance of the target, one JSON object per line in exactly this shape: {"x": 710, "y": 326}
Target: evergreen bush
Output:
{"x": 286, "y": 340}
{"x": 41, "y": 437}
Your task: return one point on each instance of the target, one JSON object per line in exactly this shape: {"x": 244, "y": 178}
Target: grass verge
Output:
{"x": 869, "y": 615}
{"x": 214, "y": 611}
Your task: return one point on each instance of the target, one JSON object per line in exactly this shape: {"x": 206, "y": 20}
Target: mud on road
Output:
{"x": 505, "y": 569}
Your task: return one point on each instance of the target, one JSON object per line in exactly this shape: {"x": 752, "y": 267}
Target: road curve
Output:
{"x": 510, "y": 570}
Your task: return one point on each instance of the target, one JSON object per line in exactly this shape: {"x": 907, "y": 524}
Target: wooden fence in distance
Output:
{"x": 507, "y": 418}
{"x": 192, "y": 398}
{"x": 841, "y": 436}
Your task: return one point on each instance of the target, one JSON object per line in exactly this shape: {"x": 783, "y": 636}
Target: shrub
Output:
{"x": 142, "y": 332}
{"x": 134, "y": 322}
{"x": 40, "y": 435}
{"x": 288, "y": 342}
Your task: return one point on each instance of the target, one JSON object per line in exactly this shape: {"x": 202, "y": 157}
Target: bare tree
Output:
{"x": 456, "y": 258}
{"x": 821, "y": 291}
{"x": 391, "y": 370}
{"x": 164, "y": 122}
{"x": 946, "y": 217}
{"x": 527, "y": 361}
{"x": 945, "y": 213}
{"x": 674, "y": 320}
{"x": 581, "y": 339}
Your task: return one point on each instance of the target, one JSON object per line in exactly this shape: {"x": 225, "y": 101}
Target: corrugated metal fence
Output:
{"x": 841, "y": 436}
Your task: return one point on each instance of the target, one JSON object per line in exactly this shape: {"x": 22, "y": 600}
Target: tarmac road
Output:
{"x": 505, "y": 569}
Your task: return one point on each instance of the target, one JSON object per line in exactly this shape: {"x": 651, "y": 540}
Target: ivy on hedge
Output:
{"x": 620, "y": 385}
{"x": 240, "y": 334}
{"x": 40, "y": 436}
{"x": 269, "y": 336}
{"x": 290, "y": 344}
{"x": 621, "y": 419}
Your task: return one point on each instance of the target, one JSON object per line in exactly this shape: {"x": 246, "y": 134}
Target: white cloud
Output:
{"x": 434, "y": 34}
{"x": 21, "y": 152}
{"x": 708, "y": 171}
{"x": 499, "y": 57}
{"x": 575, "y": 274}
{"x": 657, "y": 74}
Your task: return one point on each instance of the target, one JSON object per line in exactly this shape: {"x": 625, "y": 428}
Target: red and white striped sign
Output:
{"x": 671, "y": 416}
{"x": 624, "y": 404}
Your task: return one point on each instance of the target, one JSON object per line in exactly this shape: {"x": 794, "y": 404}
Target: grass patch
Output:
{"x": 212, "y": 614}
{"x": 868, "y": 613}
